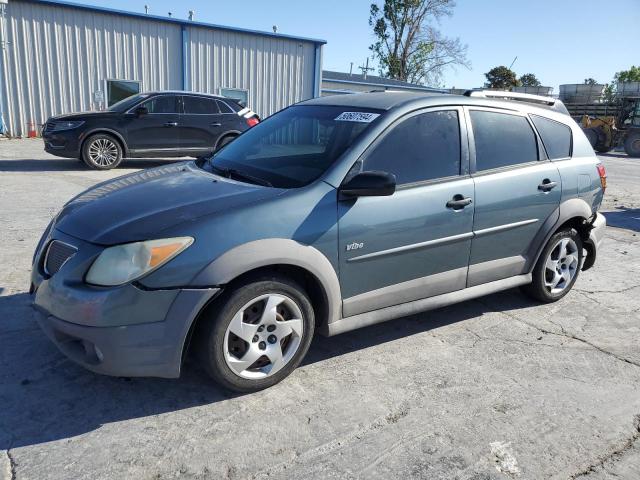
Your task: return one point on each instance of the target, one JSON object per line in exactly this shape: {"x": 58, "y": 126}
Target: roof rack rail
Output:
{"x": 539, "y": 100}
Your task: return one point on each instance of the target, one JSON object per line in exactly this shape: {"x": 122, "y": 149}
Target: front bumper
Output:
{"x": 594, "y": 242}
{"x": 62, "y": 144}
{"x": 122, "y": 331}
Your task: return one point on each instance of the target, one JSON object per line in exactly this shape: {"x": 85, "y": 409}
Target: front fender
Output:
{"x": 275, "y": 251}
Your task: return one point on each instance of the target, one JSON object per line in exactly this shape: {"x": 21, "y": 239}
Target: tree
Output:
{"x": 408, "y": 46}
{"x": 529, "y": 80}
{"x": 590, "y": 81}
{"x": 501, "y": 77}
{"x": 631, "y": 75}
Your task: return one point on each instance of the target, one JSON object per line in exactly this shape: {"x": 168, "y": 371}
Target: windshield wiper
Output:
{"x": 232, "y": 172}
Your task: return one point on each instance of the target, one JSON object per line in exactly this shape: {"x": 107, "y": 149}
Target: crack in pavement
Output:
{"x": 10, "y": 472}
{"x": 622, "y": 290}
{"x": 563, "y": 333}
{"x": 613, "y": 456}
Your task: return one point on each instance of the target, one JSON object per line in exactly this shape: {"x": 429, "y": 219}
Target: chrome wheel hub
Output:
{"x": 263, "y": 336}
{"x": 103, "y": 152}
{"x": 561, "y": 265}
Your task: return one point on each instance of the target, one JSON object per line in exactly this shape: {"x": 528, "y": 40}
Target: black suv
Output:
{"x": 156, "y": 124}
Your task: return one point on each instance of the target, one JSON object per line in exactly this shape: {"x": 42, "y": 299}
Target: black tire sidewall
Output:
{"x": 85, "y": 151}
{"x": 537, "y": 287}
{"x": 628, "y": 144}
{"x": 211, "y": 346}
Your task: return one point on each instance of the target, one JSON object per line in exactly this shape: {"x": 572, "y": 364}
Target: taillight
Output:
{"x": 252, "y": 121}
{"x": 603, "y": 175}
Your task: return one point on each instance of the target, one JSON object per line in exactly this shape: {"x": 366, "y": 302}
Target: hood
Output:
{"x": 141, "y": 205}
{"x": 82, "y": 115}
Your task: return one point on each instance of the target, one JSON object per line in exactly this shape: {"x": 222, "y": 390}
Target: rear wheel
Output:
{"x": 557, "y": 268}
{"x": 101, "y": 152}
{"x": 225, "y": 141}
{"x": 632, "y": 144}
{"x": 257, "y": 334}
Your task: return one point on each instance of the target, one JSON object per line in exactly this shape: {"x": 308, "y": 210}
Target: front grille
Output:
{"x": 57, "y": 255}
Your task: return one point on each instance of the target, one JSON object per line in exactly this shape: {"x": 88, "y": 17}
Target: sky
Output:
{"x": 560, "y": 41}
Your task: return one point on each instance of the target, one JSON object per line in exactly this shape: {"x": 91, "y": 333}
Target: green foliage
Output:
{"x": 501, "y": 77}
{"x": 590, "y": 81}
{"x": 631, "y": 75}
{"x": 529, "y": 80}
{"x": 407, "y": 45}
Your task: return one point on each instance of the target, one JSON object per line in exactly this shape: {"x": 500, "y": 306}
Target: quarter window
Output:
{"x": 224, "y": 108}
{"x": 502, "y": 139}
{"x": 422, "y": 147}
{"x": 200, "y": 106}
{"x": 162, "y": 104}
{"x": 555, "y": 136}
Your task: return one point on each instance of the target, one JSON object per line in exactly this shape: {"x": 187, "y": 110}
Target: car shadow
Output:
{"x": 71, "y": 164}
{"x": 622, "y": 217}
{"x": 46, "y": 397}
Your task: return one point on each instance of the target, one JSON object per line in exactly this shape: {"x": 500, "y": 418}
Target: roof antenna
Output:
{"x": 146, "y": 9}
{"x": 170, "y": 14}
{"x": 191, "y": 14}
{"x": 351, "y": 69}
{"x": 275, "y": 29}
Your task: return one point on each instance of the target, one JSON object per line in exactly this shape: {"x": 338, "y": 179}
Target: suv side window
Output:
{"x": 162, "y": 104}
{"x": 555, "y": 136}
{"x": 502, "y": 139}
{"x": 200, "y": 106}
{"x": 423, "y": 147}
{"x": 224, "y": 108}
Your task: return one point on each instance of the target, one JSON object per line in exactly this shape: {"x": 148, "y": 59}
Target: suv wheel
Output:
{"x": 101, "y": 152}
{"x": 226, "y": 140}
{"x": 557, "y": 268}
{"x": 258, "y": 334}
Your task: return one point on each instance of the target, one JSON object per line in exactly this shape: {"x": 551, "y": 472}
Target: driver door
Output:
{"x": 415, "y": 243}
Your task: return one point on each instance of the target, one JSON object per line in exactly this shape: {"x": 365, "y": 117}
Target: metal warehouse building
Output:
{"x": 58, "y": 57}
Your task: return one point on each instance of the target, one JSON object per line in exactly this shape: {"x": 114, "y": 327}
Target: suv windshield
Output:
{"x": 127, "y": 103}
{"x": 293, "y": 147}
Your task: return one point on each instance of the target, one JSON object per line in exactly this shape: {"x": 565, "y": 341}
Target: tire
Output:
{"x": 239, "y": 344}
{"x": 632, "y": 144}
{"x": 101, "y": 152}
{"x": 225, "y": 141}
{"x": 558, "y": 267}
{"x": 603, "y": 149}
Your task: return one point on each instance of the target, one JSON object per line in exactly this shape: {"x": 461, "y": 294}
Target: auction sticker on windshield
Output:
{"x": 362, "y": 117}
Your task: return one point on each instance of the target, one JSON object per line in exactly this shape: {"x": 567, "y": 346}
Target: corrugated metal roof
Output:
{"x": 373, "y": 80}
{"x": 180, "y": 21}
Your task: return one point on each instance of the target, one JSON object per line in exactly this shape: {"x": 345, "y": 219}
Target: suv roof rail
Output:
{"x": 539, "y": 100}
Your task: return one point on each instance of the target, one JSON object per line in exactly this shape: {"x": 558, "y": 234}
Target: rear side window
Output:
{"x": 422, "y": 147}
{"x": 555, "y": 136}
{"x": 163, "y": 104}
{"x": 502, "y": 139}
{"x": 200, "y": 106}
{"x": 224, "y": 108}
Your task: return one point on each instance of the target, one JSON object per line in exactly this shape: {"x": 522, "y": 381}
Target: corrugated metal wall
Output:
{"x": 58, "y": 56}
{"x": 276, "y": 72}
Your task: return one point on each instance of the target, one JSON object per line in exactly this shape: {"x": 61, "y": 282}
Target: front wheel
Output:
{"x": 101, "y": 152}
{"x": 557, "y": 268}
{"x": 257, "y": 334}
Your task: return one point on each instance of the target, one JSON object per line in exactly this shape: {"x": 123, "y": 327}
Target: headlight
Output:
{"x": 125, "y": 263}
{"x": 64, "y": 125}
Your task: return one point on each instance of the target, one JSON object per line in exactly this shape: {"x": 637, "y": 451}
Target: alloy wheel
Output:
{"x": 561, "y": 265}
{"x": 103, "y": 152}
{"x": 263, "y": 336}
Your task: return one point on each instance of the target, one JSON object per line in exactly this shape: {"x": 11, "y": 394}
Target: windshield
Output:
{"x": 293, "y": 147}
{"x": 127, "y": 103}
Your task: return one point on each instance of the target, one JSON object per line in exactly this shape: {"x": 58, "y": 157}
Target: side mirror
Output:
{"x": 140, "y": 111}
{"x": 370, "y": 184}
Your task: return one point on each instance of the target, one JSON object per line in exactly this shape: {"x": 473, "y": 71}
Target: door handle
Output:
{"x": 171, "y": 124}
{"x": 547, "y": 185}
{"x": 458, "y": 202}
{"x": 215, "y": 124}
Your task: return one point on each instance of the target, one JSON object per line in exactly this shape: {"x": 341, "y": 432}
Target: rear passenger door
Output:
{"x": 201, "y": 124}
{"x": 414, "y": 243}
{"x": 517, "y": 193}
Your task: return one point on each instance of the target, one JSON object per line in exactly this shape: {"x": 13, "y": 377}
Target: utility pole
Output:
{"x": 365, "y": 69}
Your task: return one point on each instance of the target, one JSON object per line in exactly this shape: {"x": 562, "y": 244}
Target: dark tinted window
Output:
{"x": 295, "y": 146}
{"x": 555, "y": 136}
{"x": 200, "y": 106}
{"x": 423, "y": 147}
{"x": 502, "y": 139}
{"x": 118, "y": 90}
{"x": 224, "y": 108}
{"x": 162, "y": 104}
